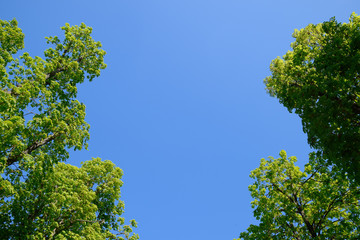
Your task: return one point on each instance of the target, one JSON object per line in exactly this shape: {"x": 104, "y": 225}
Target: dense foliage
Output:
{"x": 314, "y": 204}
{"x": 40, "y": 119}
{"x": 319, "y": 80}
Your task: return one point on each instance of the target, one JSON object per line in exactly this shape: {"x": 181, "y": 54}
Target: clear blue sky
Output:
{"x": 181, "y": 107}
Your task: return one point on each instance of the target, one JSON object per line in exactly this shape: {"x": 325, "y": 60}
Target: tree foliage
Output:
{"x": 68, "y": 203}
{"x": 40, "y": 120}
{"x": 315, "y": 203}
{"x": 319, "y": 80}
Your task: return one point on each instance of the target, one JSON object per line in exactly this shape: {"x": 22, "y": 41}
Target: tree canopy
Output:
{"x": 315, "y": 203}
{"x": 40, "y": 120}
{"x": 319, "y": 80}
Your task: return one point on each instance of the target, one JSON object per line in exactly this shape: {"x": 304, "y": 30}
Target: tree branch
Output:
{"x": 53, "y": 73}
{"x": 292, "y": 228}
{"x": 309, "y": 226}
{"x": 30, "y": 149}
{"x": 281, "y": 191}
{"x": 299, "y": 209}
{"x": 330, "y": 207}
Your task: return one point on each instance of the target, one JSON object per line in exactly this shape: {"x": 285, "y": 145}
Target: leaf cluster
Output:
{"x": 315, "y": 203}
{"x": 319, "y": 80}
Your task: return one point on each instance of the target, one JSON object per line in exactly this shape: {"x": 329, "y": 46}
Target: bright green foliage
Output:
{"x": 68, "y": 203}
{"x": 319, "y": 80}
{"x": 291, "y": 204}
{"x": 40, "y": 119}
{"x": 38, "y": 107}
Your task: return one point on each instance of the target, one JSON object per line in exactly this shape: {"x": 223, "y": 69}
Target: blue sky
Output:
{"x": 181, "y": 107}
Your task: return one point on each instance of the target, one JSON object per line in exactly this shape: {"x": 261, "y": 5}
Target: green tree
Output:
{"x": 319, "y": 79}
{"x": 40, "y": 120}
{"x": 314, "y": 204}
{"x": 69, "y": 203}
